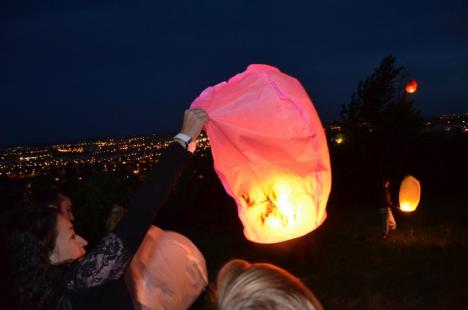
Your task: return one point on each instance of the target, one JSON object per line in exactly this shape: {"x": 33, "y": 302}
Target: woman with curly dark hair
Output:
{"x": 44, "y": 261}
{"x": 30, "y": 280}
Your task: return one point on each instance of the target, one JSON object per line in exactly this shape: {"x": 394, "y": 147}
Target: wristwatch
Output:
{"x": 190, "y": 144}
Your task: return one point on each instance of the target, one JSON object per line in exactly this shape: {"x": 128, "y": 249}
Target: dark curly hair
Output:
{"x": 29, "y": 280}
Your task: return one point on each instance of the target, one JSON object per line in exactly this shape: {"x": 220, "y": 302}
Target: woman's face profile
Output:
{"x": 68, "y": 245}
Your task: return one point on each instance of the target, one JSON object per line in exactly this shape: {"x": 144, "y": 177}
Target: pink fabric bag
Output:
{"x": 270, "y": 152}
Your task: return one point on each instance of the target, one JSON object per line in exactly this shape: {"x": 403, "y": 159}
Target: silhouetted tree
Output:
{"x": 380, "y": 121}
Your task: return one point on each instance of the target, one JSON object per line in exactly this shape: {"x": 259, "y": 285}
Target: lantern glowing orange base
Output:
{"x": 410, "y": 194}
{"x": 280, "y": 208}
{"x": 270, "y": 152}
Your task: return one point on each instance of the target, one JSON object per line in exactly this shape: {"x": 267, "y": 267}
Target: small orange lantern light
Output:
{"x": 411, "y": 87}
{"x": 410, "y": 194}
{"x": 270, "y": 152}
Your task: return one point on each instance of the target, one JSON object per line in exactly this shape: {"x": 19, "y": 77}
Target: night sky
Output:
{"x": 82, "y": 69}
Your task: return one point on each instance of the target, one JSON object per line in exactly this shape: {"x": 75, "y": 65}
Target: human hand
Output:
{"x": 194, "y": 120}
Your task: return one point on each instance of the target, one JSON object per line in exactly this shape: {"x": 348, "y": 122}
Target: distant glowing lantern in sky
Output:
{"x": 410, "y": 194}
{"x": 270, "y": 152}
{"x": 411, "y": 87}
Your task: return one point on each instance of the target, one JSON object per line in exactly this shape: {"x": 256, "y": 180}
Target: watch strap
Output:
{"x": 184, "y": 138}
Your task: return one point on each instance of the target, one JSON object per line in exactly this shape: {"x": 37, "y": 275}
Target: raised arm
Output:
{"x": 109, "y": 258}
{"x": 157, "y": 186}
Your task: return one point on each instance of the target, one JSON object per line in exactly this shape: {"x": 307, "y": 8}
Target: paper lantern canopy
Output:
{"x": 411, "y": 87}
{"x": 410, "y": 194}
{"x": 270, "y": 152}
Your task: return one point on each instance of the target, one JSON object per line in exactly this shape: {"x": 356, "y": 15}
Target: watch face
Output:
{"x": 192, "y": 146}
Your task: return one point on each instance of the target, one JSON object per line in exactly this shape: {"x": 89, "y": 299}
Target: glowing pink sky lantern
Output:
{"x": 270, "y": 152}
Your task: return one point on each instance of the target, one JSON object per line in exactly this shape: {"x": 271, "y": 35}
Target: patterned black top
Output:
{"x": 106, "y": 262}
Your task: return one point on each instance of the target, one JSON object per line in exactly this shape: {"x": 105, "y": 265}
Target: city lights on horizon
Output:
{"x": 135, "y": 156}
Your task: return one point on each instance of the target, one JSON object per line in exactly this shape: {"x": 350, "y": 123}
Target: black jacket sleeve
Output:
{"x": 150, "y": 196}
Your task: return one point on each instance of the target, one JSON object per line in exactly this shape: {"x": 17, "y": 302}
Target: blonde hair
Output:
{"x": 242, "y": 285}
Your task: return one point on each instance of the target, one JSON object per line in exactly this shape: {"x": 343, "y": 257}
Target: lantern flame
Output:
{"x": 406, "y": 206}
{"x": 280, "y": 209}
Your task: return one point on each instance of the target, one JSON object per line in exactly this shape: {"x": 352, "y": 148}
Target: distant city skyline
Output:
{"x": 76, "y": 70}
{"x": 131, "y": 155}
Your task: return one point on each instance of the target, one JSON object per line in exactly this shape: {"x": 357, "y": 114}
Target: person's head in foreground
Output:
{"x": 242, "y": 285}
{"x": 167, "y": 272}
{"x": 51, "y": 198}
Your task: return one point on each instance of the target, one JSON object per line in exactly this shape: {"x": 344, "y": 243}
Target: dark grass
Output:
{"x": 423, "y": 264}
